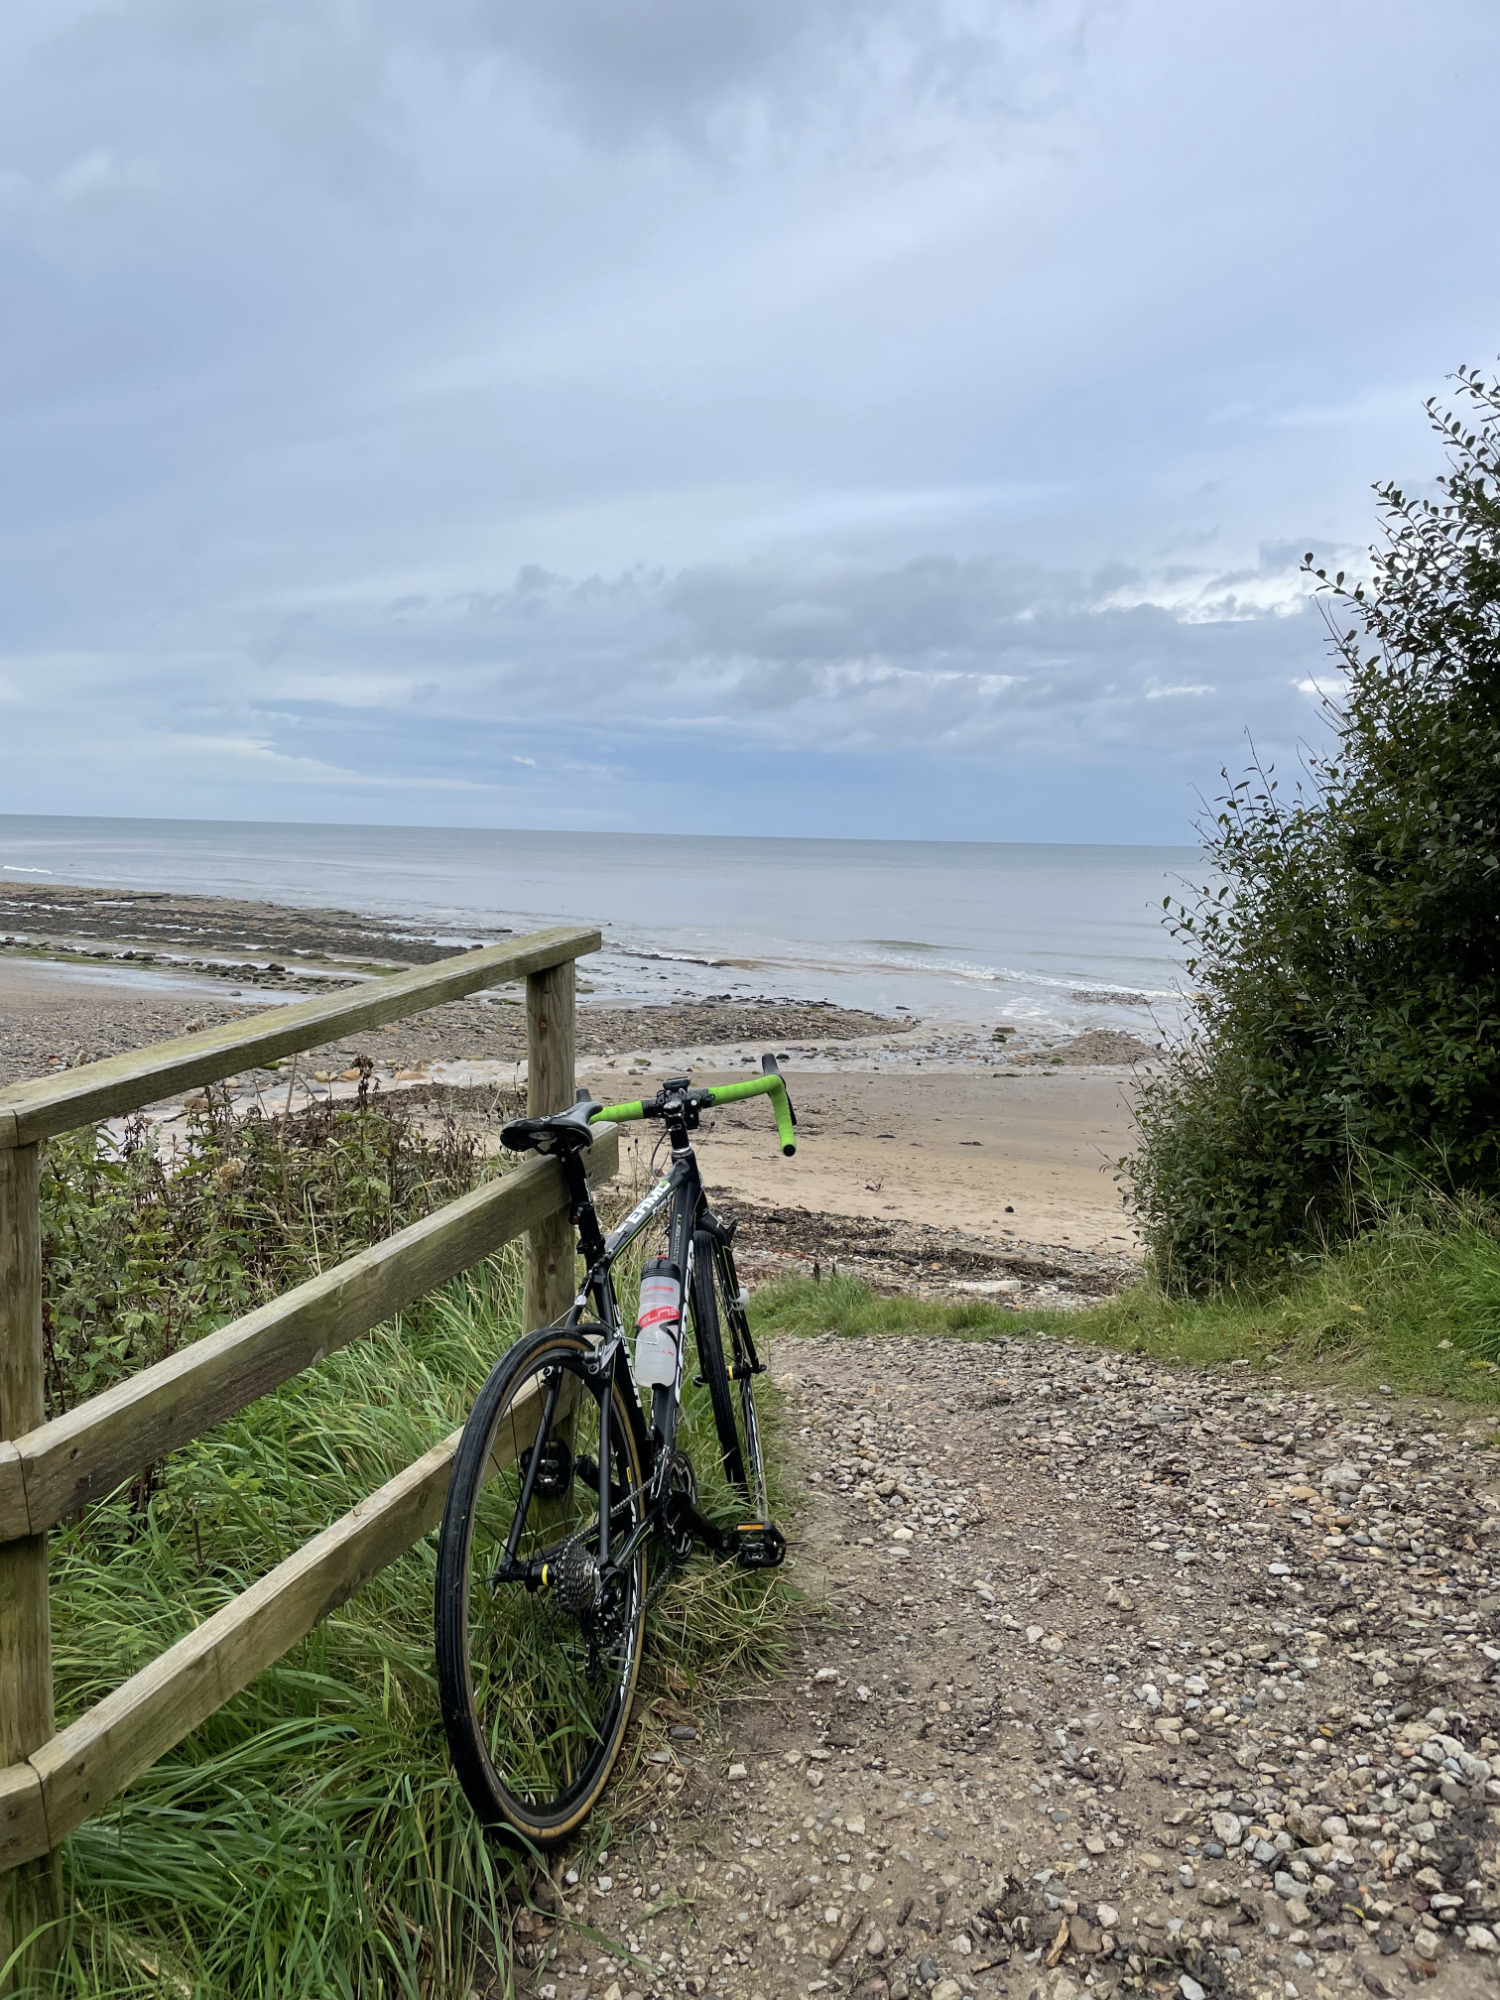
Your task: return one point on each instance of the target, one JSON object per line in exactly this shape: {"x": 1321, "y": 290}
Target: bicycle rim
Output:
{"x": 755, "y": 1464}
{"x": 537, "y": 1683}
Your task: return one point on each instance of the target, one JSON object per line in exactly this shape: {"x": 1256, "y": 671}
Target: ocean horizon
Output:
{"x": 1044, "y": 935}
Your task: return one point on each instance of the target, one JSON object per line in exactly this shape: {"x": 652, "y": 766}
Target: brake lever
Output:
{"x": 770, "y": 1067}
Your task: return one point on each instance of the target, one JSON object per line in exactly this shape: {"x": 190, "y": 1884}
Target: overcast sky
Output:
{"x": 784, "y": 416}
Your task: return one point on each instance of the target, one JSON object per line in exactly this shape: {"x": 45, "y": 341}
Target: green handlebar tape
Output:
{"x": 722, "y": 1093}
{"x": 618, "y": 1114}
{"x": 762, "y": 1086}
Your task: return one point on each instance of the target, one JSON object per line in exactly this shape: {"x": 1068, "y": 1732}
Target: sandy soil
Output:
{"x": 903, "y": 1123}
{"x": 1027, "y": 1155}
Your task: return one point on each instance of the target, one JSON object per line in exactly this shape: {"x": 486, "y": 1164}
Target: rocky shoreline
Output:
{"x": 148, "y": 927}
{"x": 918, "y": 1259}
{"x": 477, "y": 1029}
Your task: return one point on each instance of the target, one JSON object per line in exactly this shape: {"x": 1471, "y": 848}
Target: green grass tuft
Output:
{"x": 1414, "y": 1306}
{"x": 308, "y": 1838}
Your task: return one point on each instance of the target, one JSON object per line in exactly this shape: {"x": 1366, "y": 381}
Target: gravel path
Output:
{"x": 1131, "y": 1679}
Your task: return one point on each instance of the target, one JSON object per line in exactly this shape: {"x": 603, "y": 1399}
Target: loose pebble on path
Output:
{"x": 1134, "y": 1679}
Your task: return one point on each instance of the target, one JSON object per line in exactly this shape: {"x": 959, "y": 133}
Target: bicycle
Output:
{"x": 562, "y": 1478}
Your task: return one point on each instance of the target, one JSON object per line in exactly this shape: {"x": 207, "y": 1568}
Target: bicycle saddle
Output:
{"x": 563, "y": 1132}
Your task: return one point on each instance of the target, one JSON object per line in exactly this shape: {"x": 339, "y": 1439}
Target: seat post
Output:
{"x": 581, "y": 1206}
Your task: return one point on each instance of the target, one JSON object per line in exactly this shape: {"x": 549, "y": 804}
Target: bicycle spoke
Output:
{"x": 547, "y": 1644}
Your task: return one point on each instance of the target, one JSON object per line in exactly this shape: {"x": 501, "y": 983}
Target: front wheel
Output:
{"x": 715, "y": 1307}
{"x": 538, "y": 1641}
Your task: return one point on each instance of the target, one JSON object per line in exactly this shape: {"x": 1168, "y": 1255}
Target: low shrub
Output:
{"x": 144, "y": 1248}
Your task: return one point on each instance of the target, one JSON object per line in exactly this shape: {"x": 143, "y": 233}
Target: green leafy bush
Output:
{"x": 1348, "y": 954}
{"x": 144, "y": 1248}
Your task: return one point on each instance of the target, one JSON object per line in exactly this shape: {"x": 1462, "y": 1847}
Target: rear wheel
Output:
{"x": 716, "y": 1311}
{"x": 538, "y": 1647}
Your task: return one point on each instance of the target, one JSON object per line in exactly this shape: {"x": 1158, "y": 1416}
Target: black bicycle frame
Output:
{"x": 681, "y": 1192}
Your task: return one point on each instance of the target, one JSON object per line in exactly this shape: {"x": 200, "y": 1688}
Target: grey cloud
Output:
{"x": 703, "y": 74}
{"x": 973, "y": 658}
{"x": 394, "y": 388}
{"x": 676, "y": 699}
{"x": 718, "y": 78}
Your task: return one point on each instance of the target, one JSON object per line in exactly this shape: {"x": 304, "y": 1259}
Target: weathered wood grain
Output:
{"x": 32, "y": 1111}
{"x": 14, "y": 1520}
{"x": 87, "y": 1453}
{"x": 29, "y": 1894}
{"x": 550, "y": 1045}
{"x": 23, "y": 1834}
{"x": 85, "y": 1765}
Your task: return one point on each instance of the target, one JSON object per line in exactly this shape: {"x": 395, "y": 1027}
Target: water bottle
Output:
{"x": 658, "y": 1328}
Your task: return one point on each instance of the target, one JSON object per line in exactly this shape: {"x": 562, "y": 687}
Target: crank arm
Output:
{"x": 682, "y": 1513}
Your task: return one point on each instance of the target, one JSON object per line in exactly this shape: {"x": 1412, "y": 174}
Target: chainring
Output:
{"x": 680, "y": 1483}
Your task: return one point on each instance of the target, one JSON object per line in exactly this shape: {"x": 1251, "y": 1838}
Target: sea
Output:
{"x": 1044, "y": 937}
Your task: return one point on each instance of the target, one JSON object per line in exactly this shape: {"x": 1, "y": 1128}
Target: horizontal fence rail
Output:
{"x": 82, "y": 1096}
{"x": 51, "y": 1472}
{"x": 53, "y": 1780}
{"x": 82, "y": 1767}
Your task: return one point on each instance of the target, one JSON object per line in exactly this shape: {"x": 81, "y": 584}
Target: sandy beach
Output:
{"x": 928, "y": 1153}
{"x": 1010, "y": 1155}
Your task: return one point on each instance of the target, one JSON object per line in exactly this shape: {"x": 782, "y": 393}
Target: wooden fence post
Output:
{"x": 550, "y": 1041}
{"x": 30, "y": 1896}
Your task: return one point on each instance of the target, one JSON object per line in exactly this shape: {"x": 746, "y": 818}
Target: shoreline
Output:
{"x": 927, "y": 1145}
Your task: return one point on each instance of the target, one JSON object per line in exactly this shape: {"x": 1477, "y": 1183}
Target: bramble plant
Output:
{"x": 143, "y": 1250}
{"x": 1348, "y": 954}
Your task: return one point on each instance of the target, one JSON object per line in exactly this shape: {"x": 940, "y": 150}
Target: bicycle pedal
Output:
{"x": 758, "y": 1545}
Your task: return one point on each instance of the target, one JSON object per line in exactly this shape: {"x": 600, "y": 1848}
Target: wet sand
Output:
{"x": 911, "y": 1126}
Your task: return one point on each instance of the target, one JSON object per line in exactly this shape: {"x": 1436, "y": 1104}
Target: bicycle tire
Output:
{"x": 535, "y": 1701}
{"x": 739, "y": 1445}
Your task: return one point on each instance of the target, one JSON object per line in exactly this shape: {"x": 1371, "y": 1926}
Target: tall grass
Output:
{"x": 309, "y": 1838}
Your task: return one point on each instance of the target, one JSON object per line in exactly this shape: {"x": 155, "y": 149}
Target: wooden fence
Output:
{"x": 52, "y": 1780}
